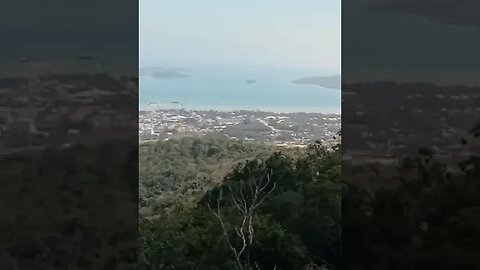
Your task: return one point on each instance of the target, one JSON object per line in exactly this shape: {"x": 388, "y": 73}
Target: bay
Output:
{"x": 227, "y": 89}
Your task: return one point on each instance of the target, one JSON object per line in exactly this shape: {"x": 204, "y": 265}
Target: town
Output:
{"x": 281, "y": 129}
{"x": 386, "y": 124}
{"x": 419, "y": 115}
{"x": 60, "y": 110}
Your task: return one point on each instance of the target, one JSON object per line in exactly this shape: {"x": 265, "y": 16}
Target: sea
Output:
{"x": 228, "y": 89}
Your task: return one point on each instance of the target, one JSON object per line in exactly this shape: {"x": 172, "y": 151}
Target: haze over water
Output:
{"x": 225, "y": 90}
{"x": 271, "y": 42}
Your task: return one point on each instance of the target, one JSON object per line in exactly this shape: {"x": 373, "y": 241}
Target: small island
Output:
{"x": 331, "y": 82}
{"x": 251, "y": 81}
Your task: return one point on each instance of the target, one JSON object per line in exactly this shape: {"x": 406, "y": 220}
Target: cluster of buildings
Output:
{"x": 283, "y": 129}
{"x": 63, "y": 109}
{"x": 388, "y": 121}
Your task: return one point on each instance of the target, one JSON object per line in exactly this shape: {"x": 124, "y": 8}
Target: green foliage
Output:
{"x": 188, "y": 166}
{"x": 297, "y": 224}
{"x": 428, "y": 221}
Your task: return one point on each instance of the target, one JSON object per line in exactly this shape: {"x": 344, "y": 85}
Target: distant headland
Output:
{"x": 331, "y": 82}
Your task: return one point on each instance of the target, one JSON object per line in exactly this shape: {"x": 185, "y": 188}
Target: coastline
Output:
{"x": 221, "y": 108}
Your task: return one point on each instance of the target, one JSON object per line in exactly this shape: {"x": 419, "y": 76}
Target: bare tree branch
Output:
{"x": 259, "y": 188}
{"x": 225, "y": 232}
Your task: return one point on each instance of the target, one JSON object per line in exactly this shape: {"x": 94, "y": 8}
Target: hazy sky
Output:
{"x": 57, "y": 32}
{"x": 277, "y": 33}
{"x": 434, "y": 41}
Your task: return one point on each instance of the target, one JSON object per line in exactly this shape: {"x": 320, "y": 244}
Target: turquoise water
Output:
{"x": 226, "y": 89}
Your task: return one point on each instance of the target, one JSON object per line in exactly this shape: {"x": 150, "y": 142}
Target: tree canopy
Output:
{"x": 279, "y": 208}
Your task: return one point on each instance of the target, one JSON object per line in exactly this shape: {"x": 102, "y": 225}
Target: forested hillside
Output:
{"x": 429, "y": 220}
{"x": 221, "y": 204}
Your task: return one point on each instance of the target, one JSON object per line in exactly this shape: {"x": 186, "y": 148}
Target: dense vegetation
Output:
{"x": 220, "y": 204}
{"x": 428, "y": 221}
{"x": 70, "y": 208}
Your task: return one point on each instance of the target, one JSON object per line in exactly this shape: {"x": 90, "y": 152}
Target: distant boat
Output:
{"x": 251, "y": 81}
{"x": 176, "y": 102}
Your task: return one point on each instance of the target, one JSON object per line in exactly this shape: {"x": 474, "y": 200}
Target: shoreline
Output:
{"x": 276, "y": 110}
{"x": 280, "y": 145}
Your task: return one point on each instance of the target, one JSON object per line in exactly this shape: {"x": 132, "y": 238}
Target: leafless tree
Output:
{"x": 247, "y": 197}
